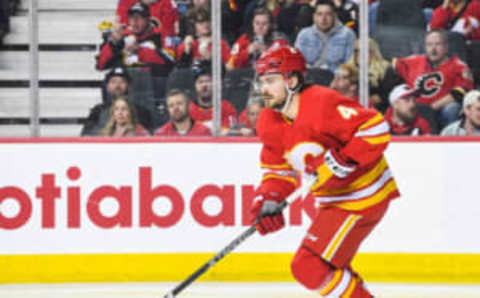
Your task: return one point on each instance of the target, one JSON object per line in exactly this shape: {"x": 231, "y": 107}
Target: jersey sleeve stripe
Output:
{"x": 280, "y": 177}
{"x": 376, "y": 130}
{"x": 373, "y": 121}
{"x": 378, "y": 140}
{"x": 275, "y": 167}
{"x": 323, "y": 174}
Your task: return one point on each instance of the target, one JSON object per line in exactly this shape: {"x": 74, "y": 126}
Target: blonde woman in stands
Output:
{"x": 381, "y": 76}
{"x": 123, "y": 120}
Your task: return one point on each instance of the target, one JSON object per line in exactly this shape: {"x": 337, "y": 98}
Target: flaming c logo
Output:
{"x": 429, "y": 84}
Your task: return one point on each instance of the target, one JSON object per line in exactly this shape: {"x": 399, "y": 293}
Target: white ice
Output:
{"x": 228, "y": 290}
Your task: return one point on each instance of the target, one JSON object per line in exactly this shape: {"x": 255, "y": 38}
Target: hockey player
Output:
{"x": 313, "y": 130}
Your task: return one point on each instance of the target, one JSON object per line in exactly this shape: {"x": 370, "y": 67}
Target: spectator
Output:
{"x": 346, "y": 81}
{"x": 442, "y": 81}
{"x": 181, "y": 124}
{"x": 122, "y": 121}
{"x": 116, "y": 84}
{"x": 403, "y": 117}
{"x": 461, "y": 16}
{"x": 247, "y": 121}
{"x": 4, "y": 19}
{"x": 347, "y": 12}
{"x": 199, "y": 46}
{"x": 259, "y": 37}
{"x": 327, "y": 43}
{"x": 232, "y": 18}
{"x": 202, "y": 108}
{"x": 469, "y": 124}
{"x": 164, "y": 13}
{"x": 284, "y": 13}
{"x": 381, "y": 76}
{"x": 140, "y": 47}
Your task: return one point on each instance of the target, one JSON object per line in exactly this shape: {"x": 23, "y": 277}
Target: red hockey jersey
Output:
{"x": 164, "y": 12}
{"x": 434, "y": 83}
{"x": 197, "y": 129}
{"x": 239, "y": 56}
{"x": 229, "y": 114}
{"x": 327, "y": 120}
{"x": 196, "y": 51}
{"x": 153, "y": 51}
{"x": 470, "y": 18}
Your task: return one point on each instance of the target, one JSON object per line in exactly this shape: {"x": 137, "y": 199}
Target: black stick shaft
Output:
{"x": 230, "y": 247}
{"x": 236, "y": 242}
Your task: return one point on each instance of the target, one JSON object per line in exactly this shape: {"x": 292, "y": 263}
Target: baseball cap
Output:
{"x": 139, "y": 8}
{"x": 117, "y": 72}
{"x": 471, "y": 97}
{"x": 400, "y": 91}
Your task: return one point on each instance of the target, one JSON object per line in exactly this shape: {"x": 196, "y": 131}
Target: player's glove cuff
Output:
{"x": 337, "y": 165}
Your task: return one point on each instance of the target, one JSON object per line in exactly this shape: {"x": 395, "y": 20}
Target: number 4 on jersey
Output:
{"x": 346, "y": 112}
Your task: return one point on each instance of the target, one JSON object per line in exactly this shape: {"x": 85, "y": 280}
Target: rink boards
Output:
{"x": 146, "y": 210}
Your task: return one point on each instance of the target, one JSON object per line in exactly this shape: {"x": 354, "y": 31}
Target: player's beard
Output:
{"x": 275, "y": 106}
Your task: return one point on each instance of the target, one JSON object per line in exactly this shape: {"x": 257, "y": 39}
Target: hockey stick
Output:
{"x": 307, "y": 183}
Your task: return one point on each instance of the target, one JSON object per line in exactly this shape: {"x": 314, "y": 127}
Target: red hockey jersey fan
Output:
{"x": 434, "y": 83}
{"x": 164, "y": 12}
{"x": 229, "y": 114}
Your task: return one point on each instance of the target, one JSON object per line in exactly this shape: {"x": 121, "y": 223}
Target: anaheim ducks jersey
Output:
{"x": 327, "y": 120}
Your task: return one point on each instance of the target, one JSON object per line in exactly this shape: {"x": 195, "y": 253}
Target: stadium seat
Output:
{"x": 400, "y": 28}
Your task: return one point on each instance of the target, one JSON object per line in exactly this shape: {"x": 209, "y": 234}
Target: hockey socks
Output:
{"x": 316, "y": 274}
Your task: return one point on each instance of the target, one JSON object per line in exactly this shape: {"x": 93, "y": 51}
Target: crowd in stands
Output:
{"x": 424, "y": 61}
{"x": 7, "y": 9}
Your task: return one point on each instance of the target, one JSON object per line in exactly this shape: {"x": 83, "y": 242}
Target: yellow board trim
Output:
{"x": 373, "y": 267}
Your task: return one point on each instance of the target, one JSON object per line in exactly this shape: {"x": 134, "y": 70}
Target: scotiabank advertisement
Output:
{"x": 178, "y": 197}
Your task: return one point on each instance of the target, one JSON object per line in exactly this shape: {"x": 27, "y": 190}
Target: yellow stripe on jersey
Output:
{"x": 369, "y": 201}
{"x": 375, "y": 120}
{"x": 275, "y": 176}
{"x": 335, "y": 280}
{"x": 323, "y": 174}
{"x": 349, "y": 291}
{"x": 339, "y": 237}
{"x": 359, "y": 183}
{"x": 275, "y": 167}
{"x": 378, "y": 140}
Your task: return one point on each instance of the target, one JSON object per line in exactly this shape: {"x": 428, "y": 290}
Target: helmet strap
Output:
{"x": 290, "y": 93}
